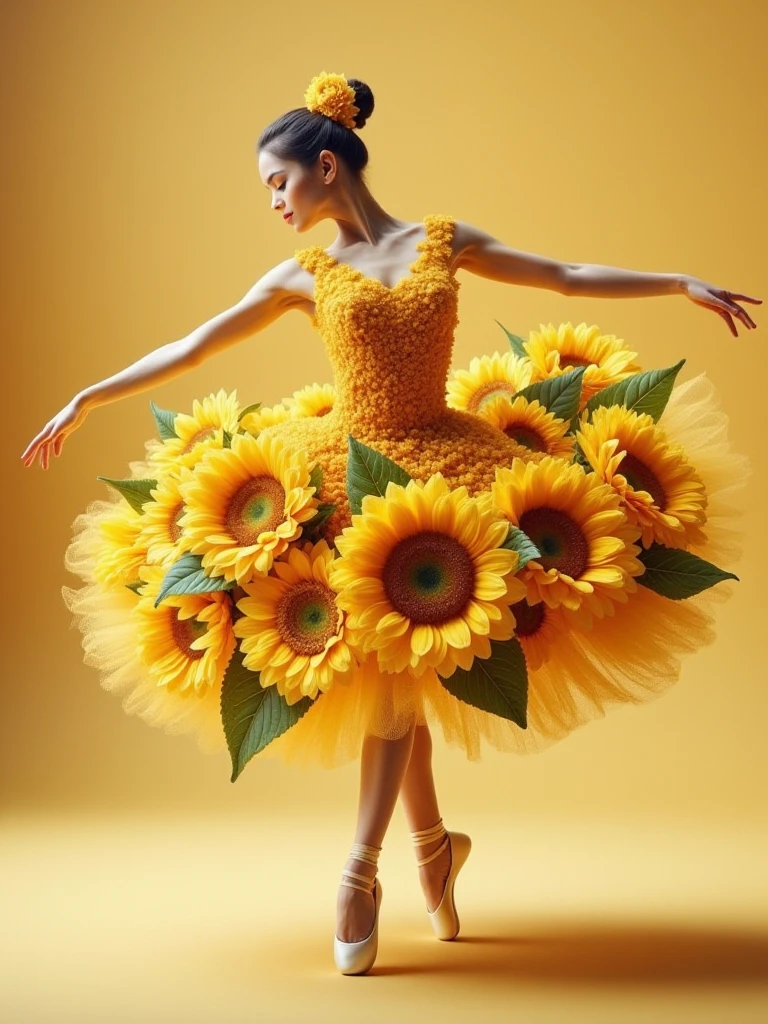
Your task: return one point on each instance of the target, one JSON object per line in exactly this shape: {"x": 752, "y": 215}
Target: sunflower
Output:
{"x": 160, "y": 530}
{"x": 263, "y": 417}
{"x": 659, "y": 489}
{"x": 531, "y": 425}
{"x": 292, "y": 631}
{"x": 575, "y": 520}
{"x": 556, "y": 350}
{"x": 488, "y": 377}
{"x": 196, "y": 433}
{"x": 121, "y": 551}
{"x": 245, "y": 504}
{"x": 313, "y": 400}
{"x": 187, "y": 641}
{"x": 423, "y": 578}
{"x": 538, "y": 628}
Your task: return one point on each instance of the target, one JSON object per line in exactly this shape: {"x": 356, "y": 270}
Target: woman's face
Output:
{"x": 295, "y": 190}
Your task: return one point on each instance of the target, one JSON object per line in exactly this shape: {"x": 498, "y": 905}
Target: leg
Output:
{"x": 420, "y": 804}
{"x": 382, "y": 766}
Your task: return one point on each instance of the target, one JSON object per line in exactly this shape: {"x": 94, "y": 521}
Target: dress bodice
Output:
{"x": 390, "y": 348}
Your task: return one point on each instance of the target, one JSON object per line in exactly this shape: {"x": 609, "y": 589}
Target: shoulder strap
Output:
{"x": 313, "y": 258}
{"x": 440, "y": 228}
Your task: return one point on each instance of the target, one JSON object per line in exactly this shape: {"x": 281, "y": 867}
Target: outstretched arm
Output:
{"x": 481, "y": 254}
{"x": 269, "y": 298}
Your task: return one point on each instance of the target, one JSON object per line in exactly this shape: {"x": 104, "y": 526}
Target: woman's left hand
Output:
{"x": 721, "y": 301}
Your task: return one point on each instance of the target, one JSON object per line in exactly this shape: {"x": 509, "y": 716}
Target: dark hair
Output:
{"x": 302, "y": 134}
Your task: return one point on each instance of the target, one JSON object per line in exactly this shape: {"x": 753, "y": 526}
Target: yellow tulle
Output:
{"x": 106, "y": 618}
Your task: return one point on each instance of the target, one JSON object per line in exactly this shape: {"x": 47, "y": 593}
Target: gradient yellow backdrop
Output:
{"x": 606, "y": 132}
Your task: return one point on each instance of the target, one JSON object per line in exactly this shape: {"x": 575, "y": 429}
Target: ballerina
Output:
{"x": 384, "y": 298}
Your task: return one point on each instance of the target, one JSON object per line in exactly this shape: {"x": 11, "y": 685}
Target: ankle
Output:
{"x": 429, "y": 842}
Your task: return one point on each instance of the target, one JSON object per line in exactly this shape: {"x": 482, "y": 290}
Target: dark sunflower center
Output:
{"x": 307, "y": 617}
{"x": 201, "y": 435}
{"x": 184, "y": 632}
{"x": 174, "y": 530}
{"x": 429, "y": 577}
{"x": 641, "y": 478}
{"x": 574, "y": 361}
{"x": 256, "y": 506}
{"x": 488, "y": 391}
{"x": 529, "y": 618}
{"x": 559, "y": 538}
{"x": 525, "y": 436}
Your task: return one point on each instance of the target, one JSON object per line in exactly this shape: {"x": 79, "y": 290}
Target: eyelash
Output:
{"x": 281, "y": 187}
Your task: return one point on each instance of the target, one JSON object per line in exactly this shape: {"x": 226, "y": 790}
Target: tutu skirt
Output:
{"x": 263, "y": 583}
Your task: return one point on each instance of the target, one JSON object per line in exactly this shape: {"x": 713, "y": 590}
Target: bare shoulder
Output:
{"x": 467, "y": 239}
{"x": 294, "y": 283}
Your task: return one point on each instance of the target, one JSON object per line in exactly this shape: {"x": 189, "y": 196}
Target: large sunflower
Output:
{"x": 531, "y": 425}
{"x": 488, "y": 377}
{"x": 423, "y": 578}
{"x": 161, "y": 533}
{"x": 313, "y": 400}
{"x": 196, "y": 433}
{"x": 659, "y": 489}
{"x": 556, "y": 350}
{"x": 245, "y": 504}
{"x": 187, "y": 641}
{"x": 292, "y": 630}
{"x": 575, "y": 520}
{"x": 121, "y": 551}
{"x": 263, "y": 417}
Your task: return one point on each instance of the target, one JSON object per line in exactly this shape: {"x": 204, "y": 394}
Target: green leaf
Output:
{"x": 316, "y": 477}
{"x": 249, "y": 408}
{"x": 135, "y": 586}
{"x": 187, "y": 577}
{"x": 369, "y": 472}
{"x": 646, "y": 392}
{"x": 166, "y": 422}
{"x": 559, "y": 395}
{"x": 678, "y": 574}
{"x": 253, "y": 716}
{"x": 135, "y": 492}
{"x": 498, "y": 684}
{"x": 226, "y": 439}
{"x": 521, "y": 543}
{"x": 517, "y": 343}
{"x": 311, "y": 528}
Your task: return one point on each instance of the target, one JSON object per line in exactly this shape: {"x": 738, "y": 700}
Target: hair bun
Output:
{"x": 363, "y": 101}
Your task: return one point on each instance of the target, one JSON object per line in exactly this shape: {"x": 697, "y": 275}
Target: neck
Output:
{"x": 363, "y": 221}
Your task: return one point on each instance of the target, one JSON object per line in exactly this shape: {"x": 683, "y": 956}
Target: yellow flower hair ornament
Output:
{"x": 332, "y": 96}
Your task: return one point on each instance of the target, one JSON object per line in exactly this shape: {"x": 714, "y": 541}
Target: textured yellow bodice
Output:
{"x": 390, "y": 350}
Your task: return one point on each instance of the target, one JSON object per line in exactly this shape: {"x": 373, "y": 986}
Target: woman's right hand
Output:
{"x": 52, "y": 436}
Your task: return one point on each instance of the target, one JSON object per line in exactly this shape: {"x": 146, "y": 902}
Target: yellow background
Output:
{"x": 605, "y": 132}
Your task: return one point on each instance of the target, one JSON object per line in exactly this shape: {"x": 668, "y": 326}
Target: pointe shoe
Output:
{"x": 445, "y": 918}
{"x": 359, "y": 957}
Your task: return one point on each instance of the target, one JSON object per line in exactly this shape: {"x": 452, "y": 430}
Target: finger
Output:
{"x": 727, "y": 317}
{"x": 743, "y": 298}
{"x": 742, "y": 314}
{"x": 57, "y": 444}
{"x": 35, "y": 443}
{"x": 31, "y": 449}
{"x": 31, "y": 454}
{"x": 44, "y": 456}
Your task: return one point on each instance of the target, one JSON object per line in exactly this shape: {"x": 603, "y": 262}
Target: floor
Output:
{"x": 117, "y": 920}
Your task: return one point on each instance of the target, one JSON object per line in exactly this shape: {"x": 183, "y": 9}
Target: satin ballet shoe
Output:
{"x": 359, "y": 957}
{"x": 445, "y": 918}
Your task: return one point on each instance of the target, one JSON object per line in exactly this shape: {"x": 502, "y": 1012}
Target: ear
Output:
{"x": 328, "y": 165}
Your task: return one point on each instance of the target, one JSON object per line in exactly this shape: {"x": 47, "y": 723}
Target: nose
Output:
{"x": 277, "y": 201}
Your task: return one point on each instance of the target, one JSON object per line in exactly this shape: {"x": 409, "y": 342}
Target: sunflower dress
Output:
{"x": 503, "y": 553}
